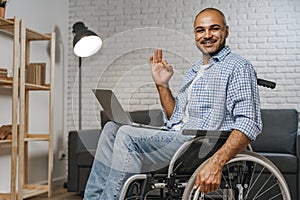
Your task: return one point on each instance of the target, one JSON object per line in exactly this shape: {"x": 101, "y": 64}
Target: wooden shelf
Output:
{"x": 5, "y": 141}
{"x": 28, "y": 86}
{"x": 27, "y": 193}
{"x": 34, "y": 190}
{"x": 4, "y": 196}
{"x": 37, "y": 137}
{"x": 33, "y": 35}
{"x": 6, "y": 82}
{"x": 7, "y": 25}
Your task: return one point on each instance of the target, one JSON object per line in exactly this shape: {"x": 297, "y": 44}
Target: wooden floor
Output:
{"x": 59, "y": 193}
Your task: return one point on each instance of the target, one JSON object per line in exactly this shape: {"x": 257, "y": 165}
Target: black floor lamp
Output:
{"x": 85, "y": 44}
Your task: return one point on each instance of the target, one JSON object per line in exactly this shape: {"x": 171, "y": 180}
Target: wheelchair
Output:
{"x": 247, "y": 176}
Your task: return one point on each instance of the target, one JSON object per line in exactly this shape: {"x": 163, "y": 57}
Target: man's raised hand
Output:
{"x": 160, "y": 69}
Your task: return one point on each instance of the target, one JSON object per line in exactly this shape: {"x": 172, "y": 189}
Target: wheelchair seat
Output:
{"x": 196, "y": 151}
{"x": 202, "y": 146}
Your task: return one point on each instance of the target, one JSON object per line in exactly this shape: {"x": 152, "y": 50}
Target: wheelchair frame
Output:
{"x": 180, "y": 186}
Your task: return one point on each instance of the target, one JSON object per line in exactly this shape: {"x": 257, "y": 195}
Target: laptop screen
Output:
{"x": 111, "y": 106}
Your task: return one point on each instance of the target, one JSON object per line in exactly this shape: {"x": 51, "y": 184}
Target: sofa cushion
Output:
{"x": 279, "y": 131}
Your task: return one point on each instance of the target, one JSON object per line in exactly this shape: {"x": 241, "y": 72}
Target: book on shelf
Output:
{"x": 3, "y": 73}
{"x": 3, "y": 69}
{"x": 36, "y": 73}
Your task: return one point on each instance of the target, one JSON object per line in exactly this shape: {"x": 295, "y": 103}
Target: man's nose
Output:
{"x": 207, "y": 34}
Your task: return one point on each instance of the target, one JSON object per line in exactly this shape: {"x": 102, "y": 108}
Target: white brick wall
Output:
{"x": 266, "y": 32}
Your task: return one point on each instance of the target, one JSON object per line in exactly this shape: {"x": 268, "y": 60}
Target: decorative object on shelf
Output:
{"x": 5, "y": 132}
{"x": 3, "y": 4}
{"x": 85, "y": 44}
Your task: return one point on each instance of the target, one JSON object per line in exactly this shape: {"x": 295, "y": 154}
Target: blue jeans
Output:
{"x": 124, "y": 151}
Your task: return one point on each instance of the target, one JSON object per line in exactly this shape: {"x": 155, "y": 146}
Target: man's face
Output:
{"x": 210, "y": 32}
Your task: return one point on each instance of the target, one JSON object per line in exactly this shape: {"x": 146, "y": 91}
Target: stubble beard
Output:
{"x": 221, "y": 46}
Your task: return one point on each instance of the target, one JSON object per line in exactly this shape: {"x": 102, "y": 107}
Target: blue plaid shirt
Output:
{"x": 225, "y": 97}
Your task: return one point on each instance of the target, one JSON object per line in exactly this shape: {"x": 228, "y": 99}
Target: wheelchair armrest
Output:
{"x": 206, "y": 133}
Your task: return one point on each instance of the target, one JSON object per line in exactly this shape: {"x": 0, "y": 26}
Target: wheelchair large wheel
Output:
{"x": 248, "y": 176}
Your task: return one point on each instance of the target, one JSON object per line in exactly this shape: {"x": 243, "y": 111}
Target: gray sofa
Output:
{"x": 280, "y": 142}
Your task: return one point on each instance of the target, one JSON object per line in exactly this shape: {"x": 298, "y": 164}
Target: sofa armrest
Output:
{"x": 298, "y": 145}
{"x": 79, "y": 141}
{"x": 298, "y": 156}
{"x": 85, "y": 139}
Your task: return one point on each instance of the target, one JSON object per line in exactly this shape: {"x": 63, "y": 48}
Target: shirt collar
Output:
{"x": 220, "y": 56}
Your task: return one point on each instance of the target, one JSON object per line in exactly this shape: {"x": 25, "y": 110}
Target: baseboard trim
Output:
{"x": 56, "y": 181}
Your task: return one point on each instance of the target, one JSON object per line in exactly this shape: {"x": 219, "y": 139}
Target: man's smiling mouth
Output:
{"x": 208, "y": 42}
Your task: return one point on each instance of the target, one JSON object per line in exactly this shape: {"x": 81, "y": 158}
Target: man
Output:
{"x": 219, "y": 92}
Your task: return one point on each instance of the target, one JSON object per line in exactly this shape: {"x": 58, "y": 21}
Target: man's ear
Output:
{"x": 227, "y": 31}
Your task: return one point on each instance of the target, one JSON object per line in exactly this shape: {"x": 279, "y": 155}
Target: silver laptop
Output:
{"x": 114, "y": 110}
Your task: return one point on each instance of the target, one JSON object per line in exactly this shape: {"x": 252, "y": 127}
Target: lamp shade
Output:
{"x": 85, "y": 42}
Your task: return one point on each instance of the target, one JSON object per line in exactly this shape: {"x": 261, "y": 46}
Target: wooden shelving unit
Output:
{"x": 12, "y": 28}
{"x": 22, "y": 39}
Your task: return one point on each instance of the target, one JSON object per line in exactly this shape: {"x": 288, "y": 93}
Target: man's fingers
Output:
{"x": 207, "y": 182}
{"x": 155, "y": 56}
{"x": 208, "y": 188}
{"x": 151, "y": 60}
{"x": 167, "y": 66}
{"x": 159, "y": 55}
{"x": 197, "y": 181}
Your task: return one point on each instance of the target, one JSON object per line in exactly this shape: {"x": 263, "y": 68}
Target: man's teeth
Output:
{"x": 208, "y": 42}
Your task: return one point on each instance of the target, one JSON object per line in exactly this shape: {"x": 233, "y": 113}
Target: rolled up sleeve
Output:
{"x": 243, "y": 101}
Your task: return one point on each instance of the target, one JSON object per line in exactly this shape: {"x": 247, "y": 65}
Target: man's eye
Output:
{"x": 199, "y": 31}
{"x": 215, "y": 28}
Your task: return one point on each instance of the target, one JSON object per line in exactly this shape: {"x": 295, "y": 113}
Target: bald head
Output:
{"x": 213, "y": 10}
